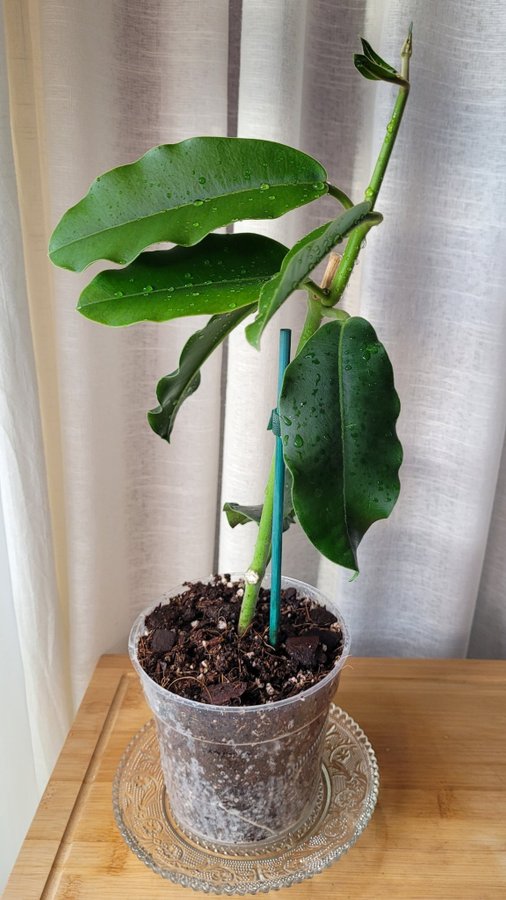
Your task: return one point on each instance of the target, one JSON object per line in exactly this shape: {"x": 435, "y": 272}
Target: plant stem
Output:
{"x": 262, "y": 552}
{"x": 315, "y": 290}
{"x": 339, "y": 280}
{"x": 311, "y": 323}
{"x": 343, "y": 274}
{"x": 338, "y": 194}
{"x": 339, "y": 314}
{"x": 261, "y": 557}
{"x": 357, "y": 237}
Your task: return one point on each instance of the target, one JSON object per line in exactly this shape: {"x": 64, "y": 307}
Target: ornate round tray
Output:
{"x": 345, "y": 803}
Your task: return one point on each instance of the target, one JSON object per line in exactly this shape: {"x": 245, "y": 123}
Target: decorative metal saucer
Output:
{"x": 345, "y": 803}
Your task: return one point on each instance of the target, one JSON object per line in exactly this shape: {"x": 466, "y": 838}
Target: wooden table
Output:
{"x": 439, "y": 830}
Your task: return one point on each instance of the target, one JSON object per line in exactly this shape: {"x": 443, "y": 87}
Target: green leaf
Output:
{"x": 375, "y": 57}
{"x": 370, "y": 69}
{"x": 223, "y": 272}
{"x": 362, "y": 65}
{"x": 338, "y": 412}
{"x": 241, "y": 515}
{"x": 173, "y": 389}
{"x": 180, "y": 193}
{"x": 300, "y": 262}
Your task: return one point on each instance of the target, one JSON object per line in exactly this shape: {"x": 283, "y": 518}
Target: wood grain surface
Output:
{"x": 439, "y": 831}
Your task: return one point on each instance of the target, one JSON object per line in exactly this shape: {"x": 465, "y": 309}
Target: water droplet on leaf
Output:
{"x": 298, "y": 441}
{"x": 264, "y": 186}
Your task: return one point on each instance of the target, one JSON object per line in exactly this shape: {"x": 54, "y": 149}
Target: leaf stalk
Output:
{"x": 340, "y": 196}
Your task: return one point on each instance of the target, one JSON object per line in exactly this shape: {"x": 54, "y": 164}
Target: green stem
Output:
{"x": 357, "y": 237}
{"x": 330, "y": 312}
{"x": 262, "y": 552}
{"x": 261, "y": 557}
{"x": 346, "y": 266}
{"x": 311, "y": 323}
{"x": 339, "y": 195}
{"x": 314, "y": 289}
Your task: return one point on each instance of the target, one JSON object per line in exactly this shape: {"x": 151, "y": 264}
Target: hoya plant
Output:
{"x": 338, "y": 405}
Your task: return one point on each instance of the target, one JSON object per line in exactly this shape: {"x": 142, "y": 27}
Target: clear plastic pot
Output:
{"x": 241, "y": 774}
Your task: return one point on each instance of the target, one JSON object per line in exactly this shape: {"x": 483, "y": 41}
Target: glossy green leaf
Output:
{"x": 180, "y": 193}
{"x": 362, "y": 65}
{"x": 173, "y": 389}
{"x": 300, "y": 262}
{"x": 375, "y": 57}
{"x": 223, "y": 272}
{"x": 338, "y": 412}
{"x": 241, "y": 515}
{"x": 372, "y": 70}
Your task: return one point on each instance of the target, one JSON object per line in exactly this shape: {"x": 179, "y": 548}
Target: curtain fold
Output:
{"x": 270, "y": 106}
{"x": 35, "y": 708}
{"x": 100, "y": 515}
{"x": 23, "y": 490}
{"x": 139, "y": 516}
{"x": 433, "y": 281}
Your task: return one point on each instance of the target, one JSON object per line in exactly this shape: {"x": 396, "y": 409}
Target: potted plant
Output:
{"x": 241, "y": 709}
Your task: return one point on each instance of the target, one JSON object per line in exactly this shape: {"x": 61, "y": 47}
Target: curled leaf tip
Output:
{"x": 253, "y": 334}
{"x": 154, "y": 419}
{"x": 407, "y": 47}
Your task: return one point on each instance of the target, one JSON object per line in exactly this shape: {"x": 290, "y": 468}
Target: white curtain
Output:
{"x": 101, "y": 516}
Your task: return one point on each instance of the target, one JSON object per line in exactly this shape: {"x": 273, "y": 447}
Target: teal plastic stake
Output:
{"x": 285, "y": 336}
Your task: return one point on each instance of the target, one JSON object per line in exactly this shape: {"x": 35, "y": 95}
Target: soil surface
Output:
{"x": 192, "y": 647}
